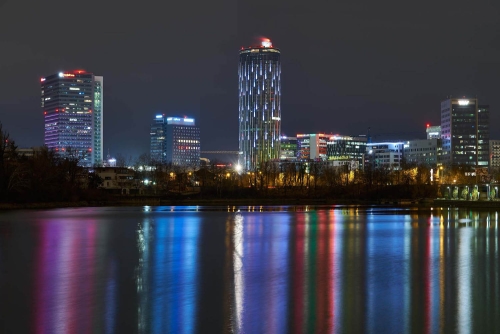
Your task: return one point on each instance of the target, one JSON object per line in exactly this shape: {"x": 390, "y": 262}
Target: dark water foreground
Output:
{"x": 262, "y": 270}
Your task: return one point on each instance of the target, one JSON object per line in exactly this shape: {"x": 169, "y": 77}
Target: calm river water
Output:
{"x": 260, "y": 270}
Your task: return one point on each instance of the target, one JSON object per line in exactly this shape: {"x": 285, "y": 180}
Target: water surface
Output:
{"x": 260, "y": 270}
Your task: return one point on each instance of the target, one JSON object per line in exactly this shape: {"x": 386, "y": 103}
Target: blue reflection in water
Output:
{"x": 386, "y": 268}
{"x": 261, "y": 273}
{"x": 167, "y": 276}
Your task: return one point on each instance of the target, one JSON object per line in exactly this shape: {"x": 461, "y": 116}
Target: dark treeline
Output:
{"x": 43, "y": 177}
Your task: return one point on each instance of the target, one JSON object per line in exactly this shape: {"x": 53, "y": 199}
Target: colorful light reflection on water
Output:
{"x": 249, "y": 270}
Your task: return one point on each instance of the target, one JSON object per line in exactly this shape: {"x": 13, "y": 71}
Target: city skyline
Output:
{"x": 383, "y": 69}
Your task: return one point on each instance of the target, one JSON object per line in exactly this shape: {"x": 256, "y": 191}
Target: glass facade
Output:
{"x": 288, "y": 148}
{"x": 384, "y": 155}
{"x": 158, "y": 145}
{"x": 259, "y": 75}
{"x": 483, "y": 135}
{"x": 465, "y": 132}
{"x": 98, "y": 124}
{"x": 175, "y": 140}
{"x": 70, "y": 102}
{"x": 347, "y": 148}
{"x": 423, "y": 151}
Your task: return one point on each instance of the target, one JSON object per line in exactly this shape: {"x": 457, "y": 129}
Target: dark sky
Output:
{"x": 346, "y": 65}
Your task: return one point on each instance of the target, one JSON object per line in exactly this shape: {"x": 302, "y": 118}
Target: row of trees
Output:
{"x": 291, "y": 180}
{"x": 45, "y": 176}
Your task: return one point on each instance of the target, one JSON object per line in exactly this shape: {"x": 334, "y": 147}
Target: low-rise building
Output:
{"x": 312, "y": 146}
{"x": 423, "y": 151}
{"x": 288, "y": 148}
{"x": 347, "y": 150}
{"x": 494, "y": 154}
{"x": 384, "y": 155}
{"x": 118, "y": 179}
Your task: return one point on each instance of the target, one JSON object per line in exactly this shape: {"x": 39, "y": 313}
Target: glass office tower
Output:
{"x": 465, "y": 132}
{"x": 72, "y": 104}
{"x": 176, "y": 141}
{"x": 259, "y": 105}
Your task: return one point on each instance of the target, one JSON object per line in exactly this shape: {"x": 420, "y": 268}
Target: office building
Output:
{"x": 312, "y": 146}
{"x": 259, "y": 118}
{"x": 465, "y": 132}
{"x": 288, "y": 148}
{"x": 423, "y": 152}
{"x": 72, "y": 104}
{"x": 158, "y": 149}
{"x": 347, "y": 149}
{"x": 495, "y": 154}
{"x": 384, "y": 155}
{"x": 433, "y": 131}
{"x": 176, "y": 141}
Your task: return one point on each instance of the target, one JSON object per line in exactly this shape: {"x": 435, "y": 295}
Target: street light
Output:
{"x": 238, "y": 168}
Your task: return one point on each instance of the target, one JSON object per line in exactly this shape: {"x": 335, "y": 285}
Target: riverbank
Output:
{"x": 157, "y": 201}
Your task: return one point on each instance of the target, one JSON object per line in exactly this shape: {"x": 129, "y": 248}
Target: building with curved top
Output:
{"x": 259, "y": 118}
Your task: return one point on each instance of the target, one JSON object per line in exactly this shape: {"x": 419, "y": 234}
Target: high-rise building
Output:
{"x": 259, "y": 105}
{"x": 465, "y": 132}
{"x": 175, "y": 140}
{"x": 312, "y": 146}
{"x": 158, "y": 150}
{"x": 72, "y": 104}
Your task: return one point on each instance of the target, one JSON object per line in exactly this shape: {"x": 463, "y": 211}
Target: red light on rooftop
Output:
{"x": 45, "y": 113}
{"x": 79, "y": 71}
{"x": 428, "y": 125}
{"x": 42, "y": 79}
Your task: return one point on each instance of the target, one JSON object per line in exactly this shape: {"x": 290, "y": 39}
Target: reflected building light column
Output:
{"x": 143, "y": 238}
{"x": 238, "y": 270}
{"x": 464, "y": 275}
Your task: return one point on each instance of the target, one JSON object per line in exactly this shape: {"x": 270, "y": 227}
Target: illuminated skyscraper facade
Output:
{"x": 465, "y": 132}
{"x": 72, "y": 104}
{"x": 259, "y": 105}
{"x": 176, "y": 141}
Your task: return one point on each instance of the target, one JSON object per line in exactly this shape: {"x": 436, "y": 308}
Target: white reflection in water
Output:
{"x": 464, "y": 280}
{"x": 238, "y": 269}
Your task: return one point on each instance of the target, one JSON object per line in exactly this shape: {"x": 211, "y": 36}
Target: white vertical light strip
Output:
{"x": 464, "y": 274}
{"x": 239, "y": 282}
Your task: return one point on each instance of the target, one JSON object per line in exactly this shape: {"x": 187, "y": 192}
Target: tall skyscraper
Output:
{"x": 259, "y": 105}
{"x": 465, "y": 132}
{"x": 175, "y": 140}
{"x": 72, "y": 104}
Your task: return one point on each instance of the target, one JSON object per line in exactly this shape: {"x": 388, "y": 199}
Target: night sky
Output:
{"x": 346, "y": 65}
